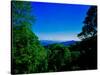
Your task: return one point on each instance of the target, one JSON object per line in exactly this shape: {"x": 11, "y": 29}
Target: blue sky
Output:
{"x": 59, "y": 22}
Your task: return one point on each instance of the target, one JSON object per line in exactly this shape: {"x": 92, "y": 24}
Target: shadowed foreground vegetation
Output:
{"x": 29, "y": 56}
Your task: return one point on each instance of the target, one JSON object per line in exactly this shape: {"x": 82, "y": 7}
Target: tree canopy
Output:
{"x": 88, "y": 43}
{"x": 90, "y": 24}
{"x": 27, "y": 53}
{"x": 29, "y": 56}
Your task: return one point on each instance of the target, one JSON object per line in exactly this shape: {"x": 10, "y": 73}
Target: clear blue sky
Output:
{"x": 60, "y": 22}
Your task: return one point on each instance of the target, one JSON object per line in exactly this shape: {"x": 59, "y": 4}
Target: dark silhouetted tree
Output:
{"x": 90, "y": 24}
{"x": 88, "y": 45}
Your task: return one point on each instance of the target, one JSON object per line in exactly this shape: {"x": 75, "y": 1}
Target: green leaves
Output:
{"x": 27, "y": 53}
{"x": 58, "y": 57}
{"x": 28, "y": 56}
{"x": 21, "y": 12}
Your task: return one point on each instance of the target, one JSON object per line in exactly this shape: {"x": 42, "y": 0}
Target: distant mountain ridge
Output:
{"x": 66, "y": 43}
{"x": 48, "y": 42}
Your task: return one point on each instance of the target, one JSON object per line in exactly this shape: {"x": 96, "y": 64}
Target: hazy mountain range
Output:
{"x": 48, "y": 42}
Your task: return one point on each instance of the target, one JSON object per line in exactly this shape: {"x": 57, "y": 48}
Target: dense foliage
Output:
{"x": 29, "y": 56}
{"x": 90, "y": 24}
{"x": 58, "y": 56}
{"x": 88, "y": 45}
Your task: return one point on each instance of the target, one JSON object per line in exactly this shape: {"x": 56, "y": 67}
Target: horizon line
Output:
{"x": 57, "y": 40}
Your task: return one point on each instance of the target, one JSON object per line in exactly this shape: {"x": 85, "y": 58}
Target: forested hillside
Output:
{"x": 29, "y": 56}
